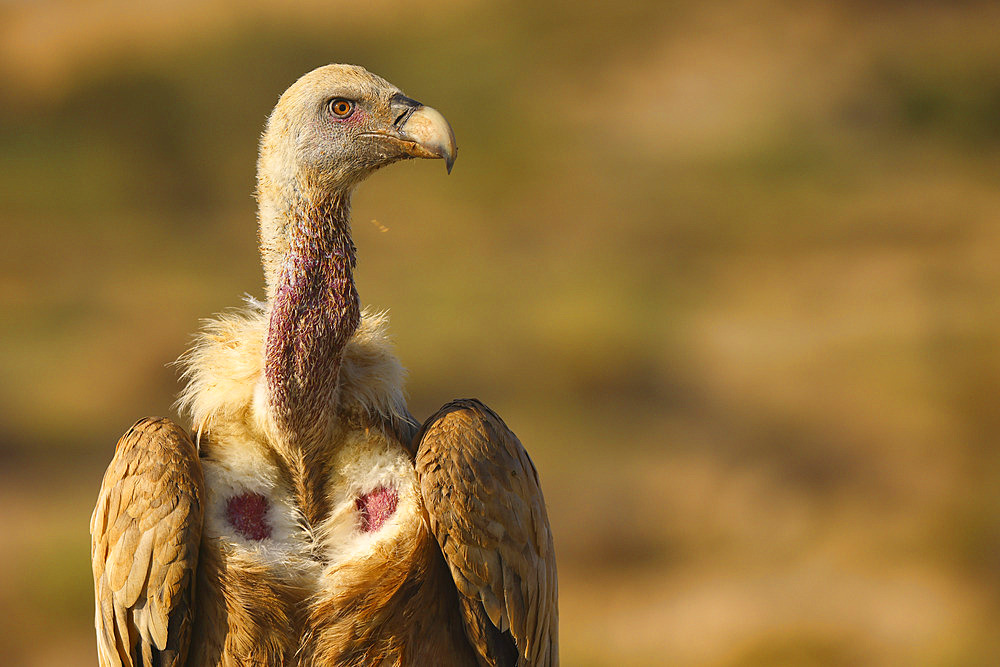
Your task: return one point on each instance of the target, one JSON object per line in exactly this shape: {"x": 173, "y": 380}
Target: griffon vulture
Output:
{"x": 311, "y": 520}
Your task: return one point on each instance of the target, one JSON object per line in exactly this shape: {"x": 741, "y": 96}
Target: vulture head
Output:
{"x": 338, "y": 123}
{"x": 328, "y": 132}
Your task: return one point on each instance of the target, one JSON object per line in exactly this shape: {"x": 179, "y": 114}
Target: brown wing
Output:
{"x": 486, "y": 510}
{"x": 144, "y": 545}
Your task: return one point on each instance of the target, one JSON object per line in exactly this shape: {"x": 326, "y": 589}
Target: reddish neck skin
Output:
{"x": 314, "y": 312}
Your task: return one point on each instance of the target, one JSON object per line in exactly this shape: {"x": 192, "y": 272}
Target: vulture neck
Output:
{"x": 313, "y": 312}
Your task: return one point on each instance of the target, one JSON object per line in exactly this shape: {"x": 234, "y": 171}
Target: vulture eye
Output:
{"x": 340, "y": 107}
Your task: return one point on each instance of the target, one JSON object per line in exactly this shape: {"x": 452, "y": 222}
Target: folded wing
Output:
{"x": 485, "y": 507}
{"x": 145, "y": 533}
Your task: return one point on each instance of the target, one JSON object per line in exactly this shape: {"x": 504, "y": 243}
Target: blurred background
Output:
{"x": 730, "y": 270}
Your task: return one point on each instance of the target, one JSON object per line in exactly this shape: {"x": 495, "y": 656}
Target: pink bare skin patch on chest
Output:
{"x": 376, "y": 507}
{"x": 247, "y": 514}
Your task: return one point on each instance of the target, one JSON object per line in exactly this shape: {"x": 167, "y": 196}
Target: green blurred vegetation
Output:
{"x": 729, "y": 270}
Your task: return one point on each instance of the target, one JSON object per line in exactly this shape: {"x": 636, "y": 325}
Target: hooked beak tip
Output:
{"x": 430, "y": 131}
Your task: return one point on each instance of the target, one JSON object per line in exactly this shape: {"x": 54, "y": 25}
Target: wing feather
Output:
{"x": 145, "y": 533}
{"x": 485, "y": 507}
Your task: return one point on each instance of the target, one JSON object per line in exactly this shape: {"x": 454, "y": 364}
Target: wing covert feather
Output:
{"x": 145, "y": 533}
{"x": 485, "y": 507}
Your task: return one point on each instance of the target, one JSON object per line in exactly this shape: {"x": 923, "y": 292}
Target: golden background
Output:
{"x": 730, "y": 271}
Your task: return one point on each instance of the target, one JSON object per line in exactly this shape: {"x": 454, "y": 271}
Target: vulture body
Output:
{"x": 311, "y": 520}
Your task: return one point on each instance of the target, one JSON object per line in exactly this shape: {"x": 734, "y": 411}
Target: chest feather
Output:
{"x": 251, "y": 512}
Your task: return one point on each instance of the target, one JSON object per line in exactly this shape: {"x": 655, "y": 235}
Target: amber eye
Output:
{"x": 341, "y": 108}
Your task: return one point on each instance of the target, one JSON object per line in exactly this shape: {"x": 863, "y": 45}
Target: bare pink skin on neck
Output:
{"x": 314, "y": 312}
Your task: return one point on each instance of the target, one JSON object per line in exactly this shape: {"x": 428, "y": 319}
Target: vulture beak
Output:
{"x": 423, "y": 131}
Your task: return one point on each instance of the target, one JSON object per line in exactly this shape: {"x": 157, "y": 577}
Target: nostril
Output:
{"x": 405, "y": 106}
